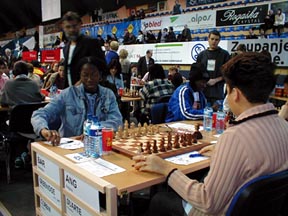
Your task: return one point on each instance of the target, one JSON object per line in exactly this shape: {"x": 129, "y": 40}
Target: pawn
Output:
{"x": 176, "y": 141}
{"x": 162, "y": 146}
{"x": 132, "y": 125}
{"x": 155, "y": 148}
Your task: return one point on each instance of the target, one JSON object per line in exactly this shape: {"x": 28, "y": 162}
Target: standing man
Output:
{"x": 213, "y": 58}
{"x": 144, "y": 63}
{"x": 78, "y": 46}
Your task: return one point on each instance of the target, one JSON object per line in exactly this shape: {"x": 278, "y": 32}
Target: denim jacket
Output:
{"x": 70, "y": 107}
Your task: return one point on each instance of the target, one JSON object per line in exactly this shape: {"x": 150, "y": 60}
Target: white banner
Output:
{"x": 195, "y": 20}
{"x": 169, "y": 53}
{"x": 186, "y": 52}
{"x": 277, "y": 47}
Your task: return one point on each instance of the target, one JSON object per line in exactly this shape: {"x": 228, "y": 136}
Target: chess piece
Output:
{"x": 125, "y": 134}
{"x": 145, "y": 128}
{"x": 140, "y": 149}
{"x": 162, "y": 146}
{"x": 148, "y": 148}
{"x": 176, "y": 141}
{"x": 155, "y": 148}
{"x": 126, "y": 124}
{"x": 120, "y": 132}
{"x": 197, "y": 133}
{"x": 132, "y": 125}
{"x": 189, "y": 139}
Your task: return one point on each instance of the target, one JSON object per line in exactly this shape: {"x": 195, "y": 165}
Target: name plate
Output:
{"x": 47, "y": 210}
{"x": 82, "y": 190}
{"x": 48, "y": 167}
{"x": 72, "y": 208}
{"x": 51, "y": 192}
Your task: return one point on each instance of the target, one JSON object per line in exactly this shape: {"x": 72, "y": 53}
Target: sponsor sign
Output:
{"x": 277, "y": 47}
{"x": 195, "y": 20}
{"x": 49, "y": 56}
{"x": 241, "y": 15}
{"x": 29, "y": 56}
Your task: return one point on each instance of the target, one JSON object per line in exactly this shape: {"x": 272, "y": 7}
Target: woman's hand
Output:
{"x": 51, "y": 135}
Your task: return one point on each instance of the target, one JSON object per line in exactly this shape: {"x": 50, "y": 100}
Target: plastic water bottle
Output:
{"x": 53, "y": 91}
{"x": 220, "y": 121}
{"x": 86, "y": 127}
{"x": 95, "y": 139}
{"x": 207, "y": 120}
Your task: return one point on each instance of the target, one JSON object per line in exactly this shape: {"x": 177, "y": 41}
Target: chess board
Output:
{"x": 131, "y": 146}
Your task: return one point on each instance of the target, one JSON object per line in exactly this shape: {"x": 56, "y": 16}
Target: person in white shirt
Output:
{"x": 279, "y": 22}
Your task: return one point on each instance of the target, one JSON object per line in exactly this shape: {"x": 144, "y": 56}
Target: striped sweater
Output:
{"x": 256, "y": 147}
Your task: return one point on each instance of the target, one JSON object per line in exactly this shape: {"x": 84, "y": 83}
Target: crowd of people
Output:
{"x": 90, "y": 79}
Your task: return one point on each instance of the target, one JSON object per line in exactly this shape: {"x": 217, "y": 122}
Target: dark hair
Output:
{"x": 286, "y": 80}
{"x": 253, "y": 74}
{"x": 20, "y": 67}
{"x": 214, "y": 32}
{"x": 115, "y": 64}
{"x": 133, "y": 65}
{"x": 156, "y": 71}
{"x": 148, "y": 51}
{"x": 99, "y": 63}
{"x": 177, "y": 80}
{"x": 71, "y": 16}
{"x": 3, "y": 62}
{"x": 267, "y": 53}
{"x": 197, "y": 72}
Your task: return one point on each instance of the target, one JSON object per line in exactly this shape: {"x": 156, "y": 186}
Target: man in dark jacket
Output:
{"x": 144, "y": 63}
{"x": 78, "y": 47}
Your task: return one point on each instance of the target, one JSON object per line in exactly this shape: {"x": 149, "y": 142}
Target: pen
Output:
{"x": 70, "y": 141}
{"x": 195, "y": 155}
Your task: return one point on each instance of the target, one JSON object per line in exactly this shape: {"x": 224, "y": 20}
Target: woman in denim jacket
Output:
{"x": 73, "y": 105}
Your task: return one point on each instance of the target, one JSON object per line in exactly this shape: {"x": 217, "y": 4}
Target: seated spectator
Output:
{"x": 279, "y": 22}
{"x": 162, "y": 35}
{"x": 140, "y": 37}
{"x": 115, "y": 77}
{"x": 150, "y": 37}
{"x": 268, "y": 21}
{"x": 186, "y": 34}
{"x": 171, "y": 37}
{"x": 56, "y": 79}
{"x": 3, "y": 76}
{"x": 75, "y": 103}
{"x": 112, "y": 53}
{"x": 21, "y": 89}
{"x": 177, "y": 9}
{"x": 188, "y": 101}
{"x": 142, "y": 13}
{"x": 284, "y": 109}
{"x": 156, "y": 87}
{"x": 125, "y": 36}
{"x": 262, "y": 34}
{"x": 252, "y": 34}
{"x": 131, "y": 39}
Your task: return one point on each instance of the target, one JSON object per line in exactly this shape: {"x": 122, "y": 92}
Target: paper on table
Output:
{"x": 184, "y": 159}
{"x": 100, "y": 167}
{"x": 183, "y": 126}
{"x": 78, "y": 157}
{"x": 67, "y": 143}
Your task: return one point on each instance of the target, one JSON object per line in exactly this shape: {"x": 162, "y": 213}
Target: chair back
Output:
{"x": 20, "y": 117}
{"x": 263, "y": 196}
{"x": 158, "y": 113}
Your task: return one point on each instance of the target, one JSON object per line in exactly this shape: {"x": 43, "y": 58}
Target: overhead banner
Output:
{"x": 169, "y": 53}
{"x": 49, "y": 56}
{"x": 187, "y": 52}
{"x": 195, "y": 20}
{"x": 277, "y": 47}
{"x": 241, "y": 15}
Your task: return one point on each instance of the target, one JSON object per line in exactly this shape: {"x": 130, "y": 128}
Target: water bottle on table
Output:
{"x": 207, "y": 118}
{"x": 220, "y": 121}
{"x": 86, "y": 127}
{"x": 95, "y": 138}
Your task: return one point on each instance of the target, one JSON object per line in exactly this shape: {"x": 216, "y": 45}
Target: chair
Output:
{"x": 158, "y": 113}
{"x": 263, "y": 196}
{"x": 19, "y": 124}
